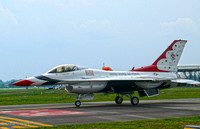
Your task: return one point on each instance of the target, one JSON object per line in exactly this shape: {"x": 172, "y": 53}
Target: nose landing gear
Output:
{"x": 118, "y": 100}
{"x": 77, "y": 103}
{"x": 79, "y": 97}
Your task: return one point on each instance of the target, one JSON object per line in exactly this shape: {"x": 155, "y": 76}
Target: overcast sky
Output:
{"x": 36, "y": 35}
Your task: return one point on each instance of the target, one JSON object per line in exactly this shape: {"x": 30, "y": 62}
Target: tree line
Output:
{"x": 5, "y": 84}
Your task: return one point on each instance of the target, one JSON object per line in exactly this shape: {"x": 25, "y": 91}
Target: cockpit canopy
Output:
{"x": 65, "y": 68}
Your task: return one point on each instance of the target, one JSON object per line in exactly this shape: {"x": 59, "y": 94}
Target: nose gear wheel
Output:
{"x": 78, "y": 103}
{"x": 118, "y": 100}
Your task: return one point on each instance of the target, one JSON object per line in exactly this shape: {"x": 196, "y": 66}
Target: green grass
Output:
{"x": 42, "y": 96}
{"x": 169, "y": 123}
{"x": 34, "y": 96}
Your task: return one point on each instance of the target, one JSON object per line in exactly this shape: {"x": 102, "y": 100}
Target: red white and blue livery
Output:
{"x": 147, "y": 81}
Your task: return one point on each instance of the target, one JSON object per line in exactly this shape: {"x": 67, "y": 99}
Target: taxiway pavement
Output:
{"x": 96, "y": 112}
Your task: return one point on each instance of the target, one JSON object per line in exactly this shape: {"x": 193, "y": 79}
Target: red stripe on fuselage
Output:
{"x": 150, "y": 68}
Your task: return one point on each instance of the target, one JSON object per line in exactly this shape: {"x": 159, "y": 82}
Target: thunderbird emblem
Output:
{"x": 173, "y": 56}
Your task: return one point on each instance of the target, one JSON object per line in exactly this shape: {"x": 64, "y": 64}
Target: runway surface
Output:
{"x": 37, "y": 115}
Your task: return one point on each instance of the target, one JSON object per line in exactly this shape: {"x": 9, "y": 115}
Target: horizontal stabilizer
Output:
{"x": 186, "y": 81}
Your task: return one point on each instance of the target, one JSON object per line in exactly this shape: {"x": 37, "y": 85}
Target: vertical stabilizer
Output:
{"x": 168, "y": 60}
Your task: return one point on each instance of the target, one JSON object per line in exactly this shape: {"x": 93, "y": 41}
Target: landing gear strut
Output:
{"x": 118, "y": 100}
{"x": 78, "y": 102}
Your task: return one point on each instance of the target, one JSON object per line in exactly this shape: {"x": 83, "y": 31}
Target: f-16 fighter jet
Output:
{"x": 147, "y": 81}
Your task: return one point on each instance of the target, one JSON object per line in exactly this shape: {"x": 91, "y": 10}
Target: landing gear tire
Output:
{"x": 118, "y": 100}
{"x": 134, "y": 100}
{"x": 78, "y": 103}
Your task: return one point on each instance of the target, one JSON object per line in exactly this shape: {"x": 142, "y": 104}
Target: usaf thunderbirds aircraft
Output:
{"x": 147, "y": 81}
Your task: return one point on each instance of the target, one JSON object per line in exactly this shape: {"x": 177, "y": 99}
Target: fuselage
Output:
{"x": 69, "y": 77}
{"x": 98, "y": 79}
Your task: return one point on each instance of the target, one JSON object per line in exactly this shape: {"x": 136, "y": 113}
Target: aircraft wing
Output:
{"x": 186, "y": 81}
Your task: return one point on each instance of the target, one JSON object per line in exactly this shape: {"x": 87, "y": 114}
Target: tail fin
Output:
{"x": 168, "y": 61}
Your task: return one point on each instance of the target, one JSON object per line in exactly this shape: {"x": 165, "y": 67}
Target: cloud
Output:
{"x": 96, "y": 28}
{"x": 58, "y": 3}
{"x": 7, "y": 14}
{"x": 179, "y": 21}
{"x": 2, "y": 10}
{"x": 85, "y": 2}
{"x": 61, "y": 3}
{"x": 181, "y": 25}
{"x": 95, "y": 24}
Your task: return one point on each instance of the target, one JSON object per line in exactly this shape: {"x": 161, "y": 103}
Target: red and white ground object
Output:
{"x": 146, "y": 80}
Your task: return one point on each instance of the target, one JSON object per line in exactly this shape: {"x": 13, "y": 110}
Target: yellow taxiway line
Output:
{"x": 14, "y": 122}
{"x": 4, "y": 128}
{"x": 18, "y": 123}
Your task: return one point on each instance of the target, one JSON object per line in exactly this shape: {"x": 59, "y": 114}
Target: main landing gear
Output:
{"x": 134, "y": 100}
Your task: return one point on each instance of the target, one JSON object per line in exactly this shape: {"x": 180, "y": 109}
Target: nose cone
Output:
{"x": 23, "y": 83}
